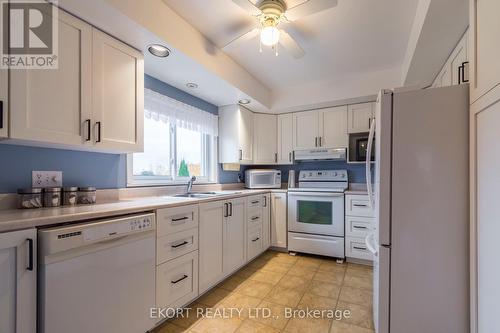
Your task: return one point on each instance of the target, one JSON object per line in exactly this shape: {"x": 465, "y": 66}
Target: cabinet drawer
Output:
{"x": 358, "y": 205}
{"x": 358, "y": 226}
{"x": 171, "y": 220}
{"x": 254, "y": 203}
{"x": 254, "y": 219}
{"x": 175, "y": 245}
{"x": 177, "y": 281}
{"x": 356, "y": 248}
{"x": 254, "y": 241}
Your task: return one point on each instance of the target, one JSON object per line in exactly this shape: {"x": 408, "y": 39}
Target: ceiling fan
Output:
{"x": 273, "y": 17}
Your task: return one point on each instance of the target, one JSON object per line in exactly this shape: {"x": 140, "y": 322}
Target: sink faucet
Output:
{"x": 190, "y": 184}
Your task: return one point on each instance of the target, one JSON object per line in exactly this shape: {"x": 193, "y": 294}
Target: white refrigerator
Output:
{"x": 421, "y": 196}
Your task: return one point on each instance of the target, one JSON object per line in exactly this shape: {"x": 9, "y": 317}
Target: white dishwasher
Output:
{"x": 98, "y": 276}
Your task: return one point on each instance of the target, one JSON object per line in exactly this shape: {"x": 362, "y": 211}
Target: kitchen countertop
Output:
{"x": 16, "y": 219}
{"x": 357, "y": 188}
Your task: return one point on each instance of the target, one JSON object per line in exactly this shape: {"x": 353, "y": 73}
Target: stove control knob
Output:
{"x": 334, "y": 174}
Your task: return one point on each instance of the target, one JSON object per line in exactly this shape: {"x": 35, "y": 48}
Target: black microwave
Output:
{"x": 358, "y": 147}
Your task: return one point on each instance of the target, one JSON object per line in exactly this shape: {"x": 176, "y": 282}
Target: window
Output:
{"x": 179, "y": 142}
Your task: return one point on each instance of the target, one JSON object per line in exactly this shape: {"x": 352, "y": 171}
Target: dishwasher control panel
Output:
{"x": 129, "y": 225}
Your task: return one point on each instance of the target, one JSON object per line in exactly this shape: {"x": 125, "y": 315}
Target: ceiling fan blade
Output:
{"x": 308, "y": 7}
{"x": 291, "y": 45}
{"x": 248, "y": 6}
{"x": 240, "y": 39}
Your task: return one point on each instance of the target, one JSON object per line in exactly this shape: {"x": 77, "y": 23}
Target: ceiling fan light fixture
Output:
{"x": 270, "y": 35}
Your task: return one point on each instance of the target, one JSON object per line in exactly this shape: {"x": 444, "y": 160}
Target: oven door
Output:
{"x": 319, "y": 213}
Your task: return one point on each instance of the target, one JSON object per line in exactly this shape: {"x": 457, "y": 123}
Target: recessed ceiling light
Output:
{"x": 244, "y": 101}
{"x": 159, "y": 50}
{"x": 191, "y": 85}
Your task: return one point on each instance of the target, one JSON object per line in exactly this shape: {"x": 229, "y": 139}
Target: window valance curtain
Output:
{"x": 163, "y": 108}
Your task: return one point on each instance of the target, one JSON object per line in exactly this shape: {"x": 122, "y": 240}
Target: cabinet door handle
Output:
{"x": 1, "y": 114}
{"x": 230, "y": 209}
{"x": 359, "y": 248}
{"x": 265, "y": 201}
{"x": 358, "y": 227}
{"x": 179, "y": 245}
{"x": 459, "y": 74}
{"x": 226, "y": 210}
{"x": 179, "y": 280}
{"x": 369, "y": 122}
{"x": 255, "y": 218}
{"x": 30, "y": 254}
{"x": 255, "y": 202}
{"x": 316, "y": 141}
{"x": 241, "y": 154}
{"x": 256, "y": 239}
{"x": 290, "y": 156}
{"x": 321, "y": 141}
{"x": 360, "y": 205}
{"x": 463, "y": 72}
{"x": 87, "y": 123}
{"x": 275, "y": 157}
{"x": 180, "y": 219}
{"x": 98, "y": 131}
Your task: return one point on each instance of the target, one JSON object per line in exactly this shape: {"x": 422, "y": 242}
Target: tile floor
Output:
{"x": 277, "y": 281}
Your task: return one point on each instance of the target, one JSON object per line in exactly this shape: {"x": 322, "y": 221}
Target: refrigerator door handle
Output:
{"x": 368, "y": 164}
{"x": 369, "y": 245}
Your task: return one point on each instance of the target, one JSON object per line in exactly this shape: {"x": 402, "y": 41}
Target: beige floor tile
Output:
{"x": 257, "y": 263}
{"x": 213, "y": 297}
{"x": 336, "y": 277}
{"x": 252, "y": 326}
{"x": 358, "y": 281}
{"x": 308, "y": 262}
{"x": 267, "y": 276}
{"x": 277, "y": 318}
{"x": 232, "y": 283}
{"x": 308, "y": 325}
{"x": 168, "y": 327}
{"x": 219, "y": 325}
{"x": 285, "y": 296}
{"x": 332, "y": 266}
{"x": 244, "y": 303}
{"x": 324, "y": 289}
{"x": 306, "y": 272}
{"x": 191, "y": 317}
{"x": 356, "y": 269}
{"x": 340, "y": 327}
{"x": 246, "y": 272}
{"x": 285, "y": 259}
{"x": 359, "y": 315}
{"x": 316, "y": 302}
{"x": 294, "y": 282}
{"x": 255, "y": 288}
{"x": 269, "y": 255}
{"x": 356, "y": 296}
{"x": 277, "y": 267}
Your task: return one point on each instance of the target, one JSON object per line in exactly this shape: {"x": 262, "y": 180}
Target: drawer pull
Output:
{"x": 180, "y": 219}
{"x": 177, "y": 281}
{"x": 256, "y": 239}
{"x": 360, "y": 205}
{"x": 255, "y": 218}
{"x": 358, "y": 227}
{"x": 181, "y": 244}
{"x": 255, "y": 202}
{"x": 359, "y": 248}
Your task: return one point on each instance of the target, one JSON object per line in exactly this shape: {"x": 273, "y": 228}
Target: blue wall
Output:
{"x": 79, "y": 168}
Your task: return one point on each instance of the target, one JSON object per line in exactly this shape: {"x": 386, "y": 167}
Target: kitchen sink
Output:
{"x": 205, "y": 194}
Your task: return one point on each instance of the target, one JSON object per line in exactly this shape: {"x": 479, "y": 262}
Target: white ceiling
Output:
{"x": 352, "y": 39}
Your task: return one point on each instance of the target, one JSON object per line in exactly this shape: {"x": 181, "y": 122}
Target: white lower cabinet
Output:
{"x": 359, "y": 222}
{"x": 212, "y": 217}
{"x": 177, "y": 281}
{"x": 254, "y": 242}
{"x": 4, "y": 103}
{"x": 278, "y": 220}
{"x": 18, "y": 262}
{"x": 234, "y": 235}
{"x": 266, "y": 221}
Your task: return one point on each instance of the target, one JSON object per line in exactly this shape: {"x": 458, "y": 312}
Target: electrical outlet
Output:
{"x": 46, "y": 178}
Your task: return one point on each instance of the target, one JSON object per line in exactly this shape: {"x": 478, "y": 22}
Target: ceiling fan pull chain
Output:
{"x": 260, "y": 42}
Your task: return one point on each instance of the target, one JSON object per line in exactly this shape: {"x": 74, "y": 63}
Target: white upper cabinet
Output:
{"x": 118, "y": 98}
{"x": 306, "y": 130}
{"x": 333, "y": 127}
{"x": 285, "y": 138}
{"x": 455, "y": 70}
{"x": 485, "y": 55}
{"x": 4, "y": 103}
{"x": 265, "y": 149}
{"x": 359, "y": 117}
{"x": 92, "y": 101}
{"x": 54, "y": 105}
{"x": 235, "y": 134}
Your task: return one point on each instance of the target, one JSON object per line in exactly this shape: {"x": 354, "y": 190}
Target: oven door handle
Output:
{"x": 314, "y": 194}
